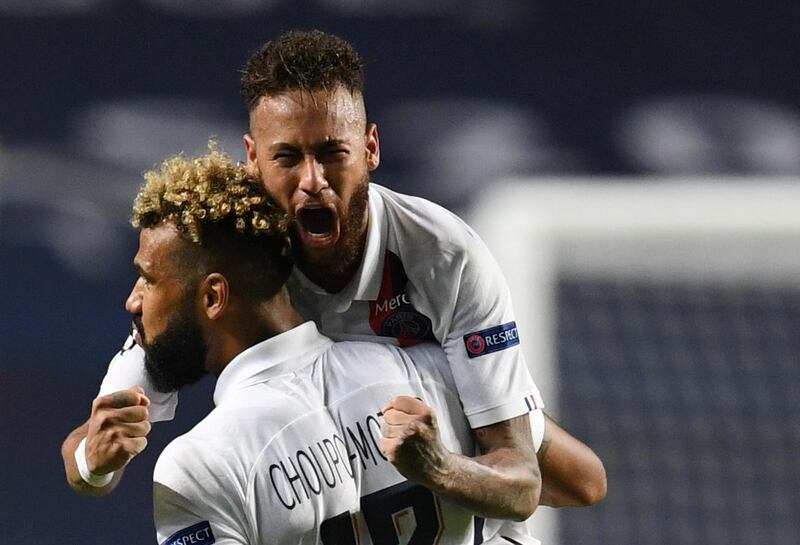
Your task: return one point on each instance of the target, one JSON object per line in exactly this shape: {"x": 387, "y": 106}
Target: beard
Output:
{"x": 347, "y": 251}
{"x": 177, "y": 357}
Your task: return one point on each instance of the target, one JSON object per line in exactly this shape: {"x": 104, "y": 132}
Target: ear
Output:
{"x": 373, "y": 147}
{"x": 215, "y": 294}
{"x": 252, "y": 159}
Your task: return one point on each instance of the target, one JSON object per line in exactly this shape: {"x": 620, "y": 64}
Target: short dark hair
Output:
{"x": 306, "y": 60}
{"x": 257, "y": 266}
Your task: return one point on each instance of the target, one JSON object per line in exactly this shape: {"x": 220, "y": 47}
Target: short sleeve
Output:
{"x": 191, "y": 504}
{"x": 126, "y": 370}
{"x": 469, "y": 302}
{"x": 182, "y": 520}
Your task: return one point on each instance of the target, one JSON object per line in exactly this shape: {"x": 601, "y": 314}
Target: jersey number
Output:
{"x": 403, "y": 514}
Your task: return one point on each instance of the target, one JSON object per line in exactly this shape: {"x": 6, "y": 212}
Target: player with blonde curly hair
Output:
{"x": 293, "y": 440}
{"x": 375, "y": 264}
{"x": 207, "y": 200}
{"x": 193, "y": 192}
{"x": 211, "y": 298}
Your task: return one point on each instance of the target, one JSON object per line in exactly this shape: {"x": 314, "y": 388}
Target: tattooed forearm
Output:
{"x": 504, "y": 481}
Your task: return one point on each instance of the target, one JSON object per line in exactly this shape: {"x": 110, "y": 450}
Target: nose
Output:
{"x": 312, "y": 176}
{"x": 133, "y": 303}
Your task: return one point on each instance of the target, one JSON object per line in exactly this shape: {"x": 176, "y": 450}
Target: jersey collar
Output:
{"x": 366, "y": 283}
{"x": 275, "y": 356}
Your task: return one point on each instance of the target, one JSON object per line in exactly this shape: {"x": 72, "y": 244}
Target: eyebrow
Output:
{"x": 328, "y": 143}
{"x": 333, "y": 142}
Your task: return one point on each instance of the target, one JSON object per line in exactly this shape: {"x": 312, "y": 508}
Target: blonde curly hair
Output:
{"x": 193, "y": 193}
{"x": 233, "y": 226}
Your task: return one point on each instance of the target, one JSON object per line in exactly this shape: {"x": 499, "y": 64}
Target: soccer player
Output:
{"x": 268, "y": 464}
{"x": 373, "y": 264}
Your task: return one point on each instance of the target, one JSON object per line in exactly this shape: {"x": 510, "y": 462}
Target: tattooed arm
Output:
{"x": 504, "y": 482}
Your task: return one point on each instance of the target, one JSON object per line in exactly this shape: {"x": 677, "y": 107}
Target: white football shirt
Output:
{"x": 267, "y": 465}
{"x": 293, "y": 441}
{"x": 359, "y": 379}
{"x": 425, "y": 276}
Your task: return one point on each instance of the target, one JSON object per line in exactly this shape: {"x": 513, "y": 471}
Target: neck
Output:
{"x": 332, "y": 280}
{"x": 249, "y": 324}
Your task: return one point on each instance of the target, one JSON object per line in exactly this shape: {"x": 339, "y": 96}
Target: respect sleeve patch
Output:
{"x": 491, "y": 340}
{"x": 197, "y": 534}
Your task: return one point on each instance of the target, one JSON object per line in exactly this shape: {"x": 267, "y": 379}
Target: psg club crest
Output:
{"x": 392, "y": 314}
{"x": 406, "y": 325}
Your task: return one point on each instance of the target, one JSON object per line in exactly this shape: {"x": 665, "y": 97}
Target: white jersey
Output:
{"x": 294, "y": 441}
{"x": 359, "y": 380}
{"x": 127, "y": 369}
{"x": 425, "y": 276}
{"x": 267, "y": 465}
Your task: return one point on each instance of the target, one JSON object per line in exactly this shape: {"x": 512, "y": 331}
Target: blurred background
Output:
{"x": 686, "y": 384}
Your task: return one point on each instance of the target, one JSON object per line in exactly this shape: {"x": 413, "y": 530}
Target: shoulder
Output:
{"x": 348, "y": 365}
{"x": 351, "y": 364}
{"x": 417, "y": 220}
{"x": 439, "y": 252}
{"x": 198, "y": 484}
{"x": 202, "y": 451}
{"x": 231, "y": 438}
{"x": 185, "y": 473}
{"x": 357, "y": 359}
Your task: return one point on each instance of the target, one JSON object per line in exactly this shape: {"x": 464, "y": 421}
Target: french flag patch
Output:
{"x": 197, "y": 534}
{"x": 533, "y": 403}
{"x": 491, "y": 340}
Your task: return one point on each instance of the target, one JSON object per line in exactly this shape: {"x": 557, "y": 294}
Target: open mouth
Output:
{"x": 318, "y": 226}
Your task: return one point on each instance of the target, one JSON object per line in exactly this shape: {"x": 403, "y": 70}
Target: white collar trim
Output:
{"x": 277, "y": 355}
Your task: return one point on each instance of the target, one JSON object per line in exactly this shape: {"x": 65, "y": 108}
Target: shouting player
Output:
{"x": 268, "y": 465}
{"x": 373, "y": 264}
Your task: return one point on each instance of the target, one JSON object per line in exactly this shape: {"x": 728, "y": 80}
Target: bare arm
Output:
{"x": 572, "y": 474}
{"x": 115, "y": 432}
{"x": 504, "y": 482}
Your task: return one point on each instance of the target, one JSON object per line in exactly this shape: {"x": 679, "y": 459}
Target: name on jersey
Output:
{"x": 328, "y": 463}
{"x": 310, "y": 471}
{"x": 197, "y": 534}
{"x": 491, "y": 340}
{"x": 363, "y": 440}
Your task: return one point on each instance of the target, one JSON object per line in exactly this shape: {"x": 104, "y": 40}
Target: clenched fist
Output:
{"x": 117, "y": 430}
{"x": 411, "y": 441}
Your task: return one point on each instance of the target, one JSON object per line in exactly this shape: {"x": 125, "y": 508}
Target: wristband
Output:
{"x": 92, "y": 479}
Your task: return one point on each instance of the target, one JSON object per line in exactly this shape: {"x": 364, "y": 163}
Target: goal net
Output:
{"x": 661, "y": 320}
